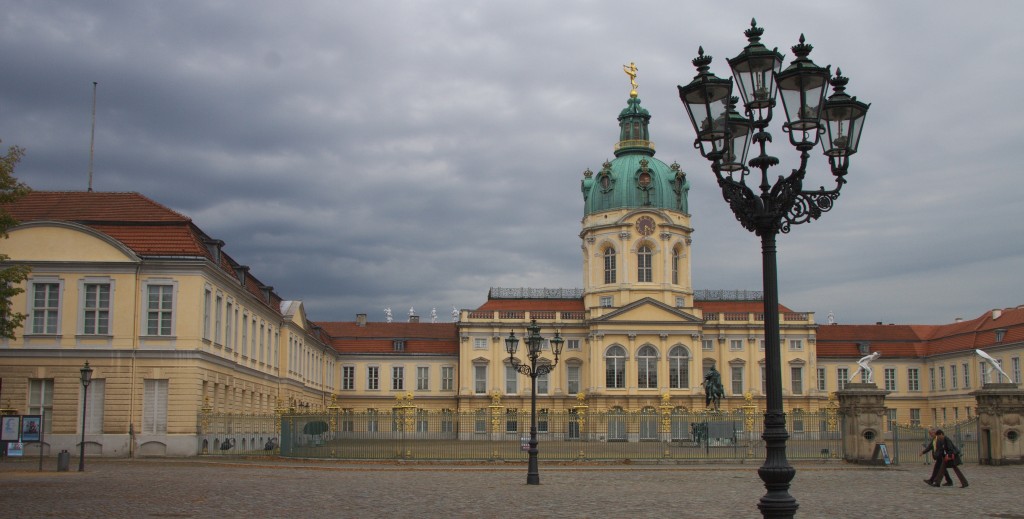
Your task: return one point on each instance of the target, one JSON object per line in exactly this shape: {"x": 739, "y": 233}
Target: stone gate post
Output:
{"x": 1000, "y": 417}
{"x": 862, "y": 408}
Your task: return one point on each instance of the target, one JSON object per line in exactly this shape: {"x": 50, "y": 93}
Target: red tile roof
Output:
{"x": 913, "y": 341}
{"x": 376, "y": 337}
{"x": 735, "y": 306}
{"x": 540, "y": 304}
{"x": 144, "y": 226}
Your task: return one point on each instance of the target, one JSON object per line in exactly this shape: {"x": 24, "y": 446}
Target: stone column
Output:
{"x": 1000, "y": 424}
{"x": 862, "y": 406}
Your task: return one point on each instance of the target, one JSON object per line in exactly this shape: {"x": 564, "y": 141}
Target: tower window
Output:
{"x": 609, "y": 265}
{"x": 644, "y": 271}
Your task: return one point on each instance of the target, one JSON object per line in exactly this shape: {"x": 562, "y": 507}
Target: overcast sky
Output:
{"x": 359, "y": 155}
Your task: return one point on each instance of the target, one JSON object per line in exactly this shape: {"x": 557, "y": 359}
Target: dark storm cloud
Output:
{"x": 367, "y": 154}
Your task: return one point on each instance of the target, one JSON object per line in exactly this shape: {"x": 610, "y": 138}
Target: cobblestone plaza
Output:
{"x": 198, "y": 488}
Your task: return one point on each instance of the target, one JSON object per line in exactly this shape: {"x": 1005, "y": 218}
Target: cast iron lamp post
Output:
{"x": 86, "y": 379}
{"x": 723, "y": 137}
{"x": 534, "y": 342}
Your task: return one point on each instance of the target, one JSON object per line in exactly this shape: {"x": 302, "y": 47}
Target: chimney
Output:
{"x": 360, "y": 320}
{"x": 996, "y": 314}
{"x": 414, "y": 318}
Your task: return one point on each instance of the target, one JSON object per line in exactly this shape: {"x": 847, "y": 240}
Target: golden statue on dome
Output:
{"x": 630, "y": 71}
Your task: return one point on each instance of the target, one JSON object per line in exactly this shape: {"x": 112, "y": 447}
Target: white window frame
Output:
{"x": 422, "y": 378}
{"x": 479, "y": 379}
{"x": 348, "y": 377}
{"x": 99, "y": 312}
{"x": 511, "y": 380}
{"x": 165, "y": 313}
{"x": 45, "y": 318}
{"x": 447, "y": 378}
{"x": 373, "y": 378}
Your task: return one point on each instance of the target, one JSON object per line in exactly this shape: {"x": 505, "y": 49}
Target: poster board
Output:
{"x": 10, "y": 428}
{"x": 881, "y": 451}
{"x": 31, "y": 428}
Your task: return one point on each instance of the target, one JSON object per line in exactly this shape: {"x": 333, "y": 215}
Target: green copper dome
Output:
{"x": 635, "y": 179}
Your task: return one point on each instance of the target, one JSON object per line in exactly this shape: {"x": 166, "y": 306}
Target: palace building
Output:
{"x": 174, "y": 327}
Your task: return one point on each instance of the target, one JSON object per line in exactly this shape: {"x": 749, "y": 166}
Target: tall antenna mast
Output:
{"x": 92, "y": 137}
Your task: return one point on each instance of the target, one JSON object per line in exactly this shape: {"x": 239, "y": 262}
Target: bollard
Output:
{"x": 63, "y": 460}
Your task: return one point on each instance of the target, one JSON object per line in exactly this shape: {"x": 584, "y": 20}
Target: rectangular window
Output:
{"x": 890, "y": 419}
{"x": 480, "y": 343}
{"x": 760, "y": 345}
{"x": 207, "y": 295}
{"x": 480, "y": 421}
{"x": 40, "y": 400}
{"x": 913, "y": 379}
{"x": 1015, "y": 369}
{"x": 953, "y": 380}
{"x": 967, "y": 376}
{"x": 480, "y": 379}
{"x": 607, "y": 301}
{"x": 942, "y": 377}
{"x": 447, "y": 378}
{"x": 796, "y": 345}
{"x": 609, "y": 267}
{"x": 707, "y": 345}
{"x": 511, "y": 420}
{"x": 764, "y": 381}
{"x": 572, "y": 344}
{"x": 890, "y": 379}
{"x": 397, "y": 378}
{"x": 398, "y": 345}
{"x": 422, "y": 378}
{"x": 45, "y": 310}
{"x": 154, "y": 406}
{"x": 821, "y": 380}
{"x": 372, "y": 422}
{"x": 218, "y": 318}
{"x": 348, "y": 377}
{"x": 572, "y": 377}
{"x": 842, "y": 378}
{"x": 736, "y": 345}
{"x": 644, "y": 272}
{"x": 796, "y": 373}
{"x": 542, "y": 384}
{"x": 231, "y": 315}
{"x": 96, "y": 309}
{"x": 245, "y": 338}
{"x": 159, "y": 309}
{"x": 931, "y": 376}
{"x": 511, "y": 379}
{"x": 94, "y": 406}
{"x": 542, "y": 420}
{"x": 915, "y": 417}
{"x": 737, "y": 380}
{"x": 373, "y": 378}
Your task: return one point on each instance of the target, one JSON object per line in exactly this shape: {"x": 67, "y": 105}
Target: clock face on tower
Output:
{"x": 645, "y": 225}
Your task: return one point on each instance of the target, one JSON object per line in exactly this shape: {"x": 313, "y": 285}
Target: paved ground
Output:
{"x": 259, "y": 488}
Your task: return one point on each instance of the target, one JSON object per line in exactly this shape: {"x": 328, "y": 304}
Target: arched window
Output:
{"x": 679, "y": 368}
{"x": 643, "y": 265}
{"x": 615, "y": 367}
{"x": 676, "y": 255}
{"x": 609, "y": 265}
{"x": 647, "y": 367}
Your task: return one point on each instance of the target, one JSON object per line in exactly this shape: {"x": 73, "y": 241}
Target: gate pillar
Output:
{"x": 1000, "y": 417}
{"x": 862, "y": 406}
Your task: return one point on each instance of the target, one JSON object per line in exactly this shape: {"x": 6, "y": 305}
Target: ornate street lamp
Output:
{"x": 538, "y": 366}
{"x": 86, "y": 379}
{"x": 773, "y": 208}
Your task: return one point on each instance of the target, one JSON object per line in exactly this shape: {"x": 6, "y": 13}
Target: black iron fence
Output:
{"x": 909, "y": 440}
{"x": 500, "y": 434}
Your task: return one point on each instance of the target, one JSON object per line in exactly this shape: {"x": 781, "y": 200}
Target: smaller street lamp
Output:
{"x": 534, "y": 342}
{"x": 86, "y": 379}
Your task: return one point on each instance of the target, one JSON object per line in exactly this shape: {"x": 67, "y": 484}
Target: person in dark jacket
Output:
{"x": 937, "y": 457}
{"x": 949, "y": 455}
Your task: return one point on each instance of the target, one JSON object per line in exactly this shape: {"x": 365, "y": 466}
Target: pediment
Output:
{"x": 648, "y": 310}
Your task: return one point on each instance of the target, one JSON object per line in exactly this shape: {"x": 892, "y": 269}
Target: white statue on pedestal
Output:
{"x": 987, "y": 359}
{"x": 388, "y": 315}
{"x": 869, "y": 374}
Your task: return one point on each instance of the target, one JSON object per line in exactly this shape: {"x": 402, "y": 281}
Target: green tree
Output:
{"x": 11, "y": 276}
